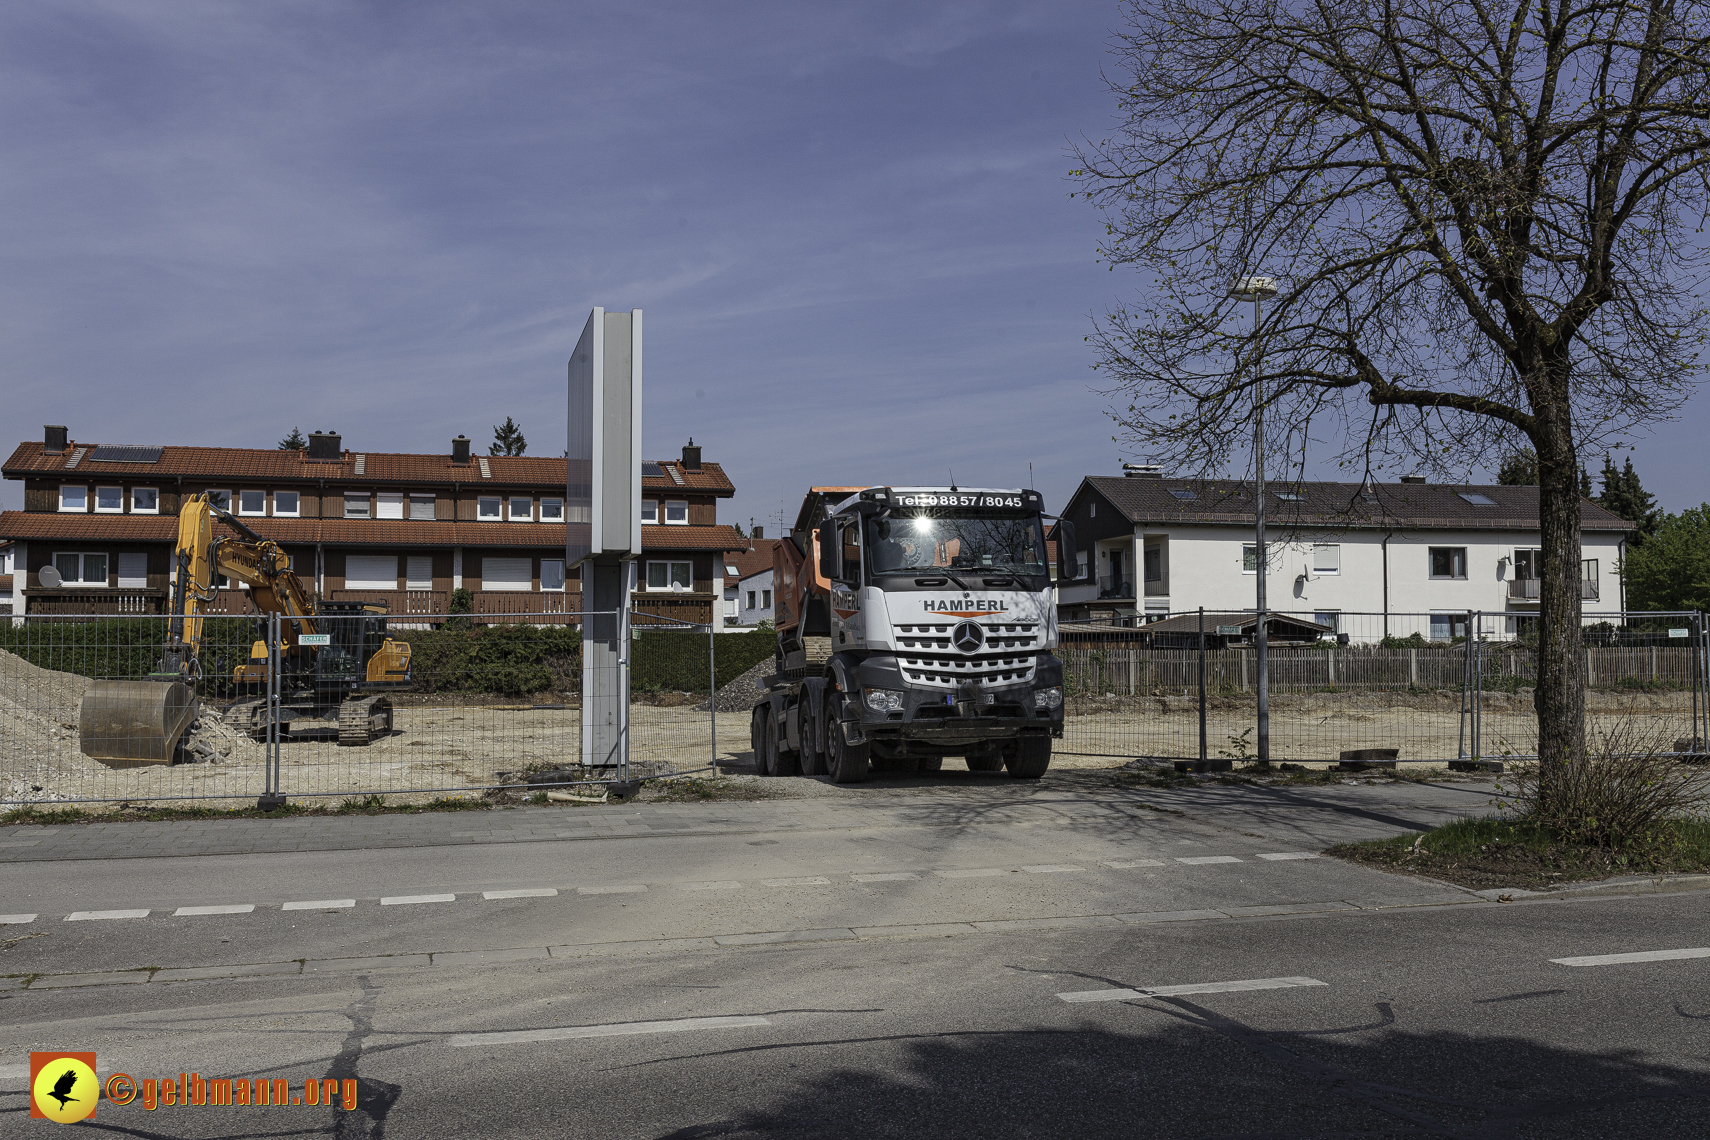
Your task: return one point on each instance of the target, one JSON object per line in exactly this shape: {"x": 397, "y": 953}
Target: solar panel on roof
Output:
{"x": 652, "y": 471}
{"x": 125, "y": 453}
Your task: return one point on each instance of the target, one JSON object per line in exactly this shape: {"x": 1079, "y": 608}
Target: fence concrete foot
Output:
{"x": 1476, "y": 766}
{"x": 1186, "y": 766}
{"x": 271, "y": 801}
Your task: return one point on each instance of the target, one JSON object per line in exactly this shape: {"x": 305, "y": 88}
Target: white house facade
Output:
{"x": 1368, "y": 560}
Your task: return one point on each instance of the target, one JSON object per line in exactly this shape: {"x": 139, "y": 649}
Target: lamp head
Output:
{"x": 1253, "y": 288}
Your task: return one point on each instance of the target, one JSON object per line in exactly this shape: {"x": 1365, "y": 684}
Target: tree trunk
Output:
{"x": 1560, "y": 695}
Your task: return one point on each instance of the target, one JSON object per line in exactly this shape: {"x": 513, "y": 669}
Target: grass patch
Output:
{"x": 130, "y": 813}
{"x": 1490, "y": 852}
{"x": 698, "y": 789}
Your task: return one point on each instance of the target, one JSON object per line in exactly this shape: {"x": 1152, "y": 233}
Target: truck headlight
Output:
{"x": 1048, "y": 698}
{"x": 884, "y": 700}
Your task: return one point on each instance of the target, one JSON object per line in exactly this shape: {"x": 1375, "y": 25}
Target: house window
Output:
{"x": 552, "y": 574}
{"x": 133, "y": 571}
{"x": 751, "y": 599}
{"x": 649, "y": 511}
{"x": 285, "y": 504}
{"x": 1446, "y": 626}
{"x": 1249, "y": 558}
{"x": 356, "y": 506}
{"x": 1448, "y": 562}
{"x": 371, "y": 572}
{"x": 421, "y": 507}
{"x": 765, "y": 599}
{"x": 677, "y": 513}
{"x": 221, "y": 499}
{"x": 1331, "y": 618}
{"x": 73, "y": 498}
{"x": 1154, "y": 557}
{"x": 109, "y": 500}
{"x": 522, "y": 509}
{"x": 252, "y": 502}
{"x": 389, "y": 505}
{"x": 512, "y": 574}
{"x": 81, "y": 569}
{"x": 552, "y": 510}
{"x": 1326, "y": 558}
{"x": 1528, "y": 564}
{"x": 418, "y": 572}
{"x": 487, "y": 509}
{"x": 1092, "y": 510}
{"x": 145, "y": 501}
{"x": 674, "y": 576}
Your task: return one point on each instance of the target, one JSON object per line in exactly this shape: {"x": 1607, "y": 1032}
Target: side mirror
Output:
{"x": 1068, "y": 560}
{"x": 830, "y": 550}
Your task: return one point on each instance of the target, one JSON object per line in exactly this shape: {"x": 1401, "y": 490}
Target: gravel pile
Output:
{"x": 739, "y": 695}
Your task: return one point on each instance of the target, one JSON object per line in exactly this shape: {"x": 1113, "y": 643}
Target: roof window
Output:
{"x": 1476, "y": 499}
{"x": 1183, "y": 493}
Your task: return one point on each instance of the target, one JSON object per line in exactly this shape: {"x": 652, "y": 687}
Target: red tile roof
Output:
{"x": 750, "y": 562}
{"x": 273, "y": 465}
{"x": 45, "y": 525}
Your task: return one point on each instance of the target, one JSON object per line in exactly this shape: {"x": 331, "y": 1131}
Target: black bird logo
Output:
{"x": 63, "y": 1086}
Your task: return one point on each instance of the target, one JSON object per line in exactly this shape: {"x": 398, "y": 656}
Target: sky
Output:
{"x": 849, "y": 227}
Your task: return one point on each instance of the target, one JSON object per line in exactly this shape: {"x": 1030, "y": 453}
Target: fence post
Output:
{"x": 1412, "y": 666}
{"x": 1133, "y": 671}
{"x": 1243, "y": 654}
{"x": 1202, "y": 682}
{"x": 712, "y": 691}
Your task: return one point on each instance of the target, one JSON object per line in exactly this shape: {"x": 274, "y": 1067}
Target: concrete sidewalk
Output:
{"x": 1311, "y": 817}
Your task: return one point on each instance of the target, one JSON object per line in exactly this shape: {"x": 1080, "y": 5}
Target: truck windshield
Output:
{"x": 956, "y": 540}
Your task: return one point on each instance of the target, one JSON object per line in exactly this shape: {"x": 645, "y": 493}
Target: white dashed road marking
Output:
{"x": 1640, "y": 956}
{"x": 1048, "y": 868}
{"x": 240, "y": 908}
{"x": 9, "y": 919}
{"x": 1200, "y": 988}
{"x": 623, "y": 1029}
{"x": 537, "y": 893}
{"x": 716, "y": 885}
{"x": 1196, "y": 860}
{"x": 412, "y": 900}
{"x": 86, "y": 915}
{"x": 321, "y": 904}
{"x": 810, "y": 881}
{"x": 971, "y": 873}
{"x": 887, "y": 877}
{"x": 1281, "y": 855}
{"x": 621, "y": 889}
{"x": 1130, "y": 864}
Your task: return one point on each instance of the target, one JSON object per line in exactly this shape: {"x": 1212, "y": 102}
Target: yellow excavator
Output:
{"x": 332, "y": 657}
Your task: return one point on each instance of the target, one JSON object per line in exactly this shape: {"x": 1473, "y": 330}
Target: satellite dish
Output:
{"x": 49, "y": 577}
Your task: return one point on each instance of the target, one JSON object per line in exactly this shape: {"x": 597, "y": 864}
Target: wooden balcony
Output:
{"x": 694, "y": 608}
{"x": 400, "y": 602}
{"x": 68, "y": 601}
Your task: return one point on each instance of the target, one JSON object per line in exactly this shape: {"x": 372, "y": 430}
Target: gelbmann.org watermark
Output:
{"x": 64, "y": 1088}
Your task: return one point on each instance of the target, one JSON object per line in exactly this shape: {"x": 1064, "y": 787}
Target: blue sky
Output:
{"x": 848, "y": 225}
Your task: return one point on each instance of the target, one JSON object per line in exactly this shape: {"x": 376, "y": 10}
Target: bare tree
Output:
{"x": 1483, "y": 218}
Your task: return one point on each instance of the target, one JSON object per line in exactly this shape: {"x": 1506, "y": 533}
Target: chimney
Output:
{"x": 1142, "y": 471}
{"x": 460, "y": 450}
{"x": 691, "y": 456}
{"x": 759, "y": 533}
{"x": 54, "y": 440}
{"x": 325, "y": 447}
{"x": 1413, "y": 478}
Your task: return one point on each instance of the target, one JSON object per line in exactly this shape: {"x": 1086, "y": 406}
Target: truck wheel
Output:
{"x": 990, "y": 762}
{"x": 765, "y": 742}
{"x": 1028, "y": 757}
{"x": 845, "y": 762}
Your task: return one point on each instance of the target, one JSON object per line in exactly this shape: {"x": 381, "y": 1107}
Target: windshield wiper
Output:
{"x": 958, "y": 581}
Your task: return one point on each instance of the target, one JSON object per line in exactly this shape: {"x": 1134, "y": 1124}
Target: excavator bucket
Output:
{"x": 126, "y": 724}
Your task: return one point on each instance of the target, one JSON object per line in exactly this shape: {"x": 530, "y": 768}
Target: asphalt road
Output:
{"x": 896, "y": 980}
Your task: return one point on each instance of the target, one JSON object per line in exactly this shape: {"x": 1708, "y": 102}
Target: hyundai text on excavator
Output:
{"x": 914, "y": 623}
{"x": 331, "y": 656}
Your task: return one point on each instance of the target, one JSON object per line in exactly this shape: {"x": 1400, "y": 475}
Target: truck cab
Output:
{"x": 915, "y": 623}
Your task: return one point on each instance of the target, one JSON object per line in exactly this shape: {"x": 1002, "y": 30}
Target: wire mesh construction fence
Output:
{"x": 449, "y": 703}
{"x": 1433, "y": 687}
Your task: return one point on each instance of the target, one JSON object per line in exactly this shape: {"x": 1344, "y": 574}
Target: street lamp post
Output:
{"x": 1256, "y": 289}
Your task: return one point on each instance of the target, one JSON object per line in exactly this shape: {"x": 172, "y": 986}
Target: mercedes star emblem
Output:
{"x": 968, "y": 637}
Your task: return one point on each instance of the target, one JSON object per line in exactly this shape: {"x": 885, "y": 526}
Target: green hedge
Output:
{"x": 668, "y": 659}
{"x": 128, "y": 648}
{"x": 513, "y": 660}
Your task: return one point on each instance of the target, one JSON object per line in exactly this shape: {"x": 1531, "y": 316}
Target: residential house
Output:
{"x": 1408, "y": 557}
{"x": 748, "y": 593}
{"x": 406, "y": 529}
{"x": 6, "y": 597}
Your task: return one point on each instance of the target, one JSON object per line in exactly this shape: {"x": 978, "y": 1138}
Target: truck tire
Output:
{"x": 765, "y": 742}
{"x": 1028, "y": 757}
{"x": 845, "y": 763}
{"x": 989, "y": 762}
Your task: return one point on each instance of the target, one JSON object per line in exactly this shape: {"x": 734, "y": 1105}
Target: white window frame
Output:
{"x": 136, "y": 510}
{"x": 557, "y": 508}
{"x": 244, "y": 512}
{"x": 367, "y": 507}
{"x": 650, "y": 512}
{"x": 1335, "y": 616}
{"x": 669, "y": 587}
{"x": 1337, "y": 557}
{"x": 422, "y": 498}
{"x": 227, "y": 505}
{"x": 549, "y": 562}
{"x": 80, "y": 555}
{"x": 388, "y": 501}
{"x": 1252, "y": 547}
{"x": 511, "y": 502}
{"x": 669, "y": 521}
{"x": 82, "y": 507}
{"x": 295, "y": 512}
{"x": 481, "y": 514}
{"x": 118, "y": 510}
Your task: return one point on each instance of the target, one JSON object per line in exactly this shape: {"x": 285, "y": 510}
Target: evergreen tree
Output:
{"x": 1671, "y": 571}
{"x": 294, "y": 441}
{"x": 1584, "y": 482}
{"x": 1625, "y": 496}
{"x": 508, "y": 439}
{"x": 1519, "y": 469}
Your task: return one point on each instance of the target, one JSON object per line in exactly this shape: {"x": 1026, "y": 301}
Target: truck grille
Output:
{"x": 999, "y": 635}
{"x": 948, "y": 671}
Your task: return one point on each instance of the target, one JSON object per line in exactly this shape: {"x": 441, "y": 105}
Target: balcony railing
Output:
{"x": 400, "y": 601}
{"x": 1113, "y": 586}
{"x": 1526, "y": 589}
{"x": 80, "y": 601}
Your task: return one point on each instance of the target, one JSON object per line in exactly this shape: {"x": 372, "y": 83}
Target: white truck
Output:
{"x": 914, "y": 623}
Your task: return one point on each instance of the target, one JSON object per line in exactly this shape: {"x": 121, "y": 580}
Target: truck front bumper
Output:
{"x": 948, "y": 721}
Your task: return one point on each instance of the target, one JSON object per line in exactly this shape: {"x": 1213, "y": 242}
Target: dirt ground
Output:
{"x": 443, "y": 748}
